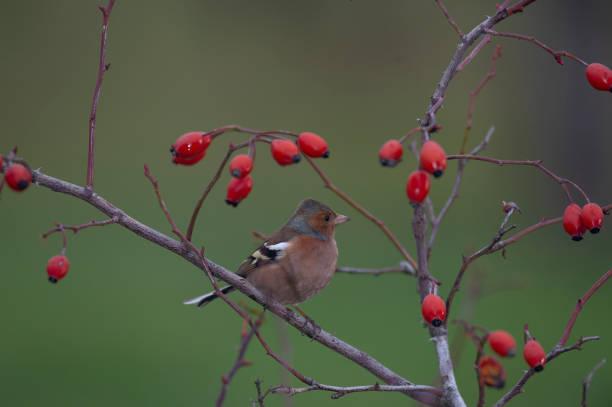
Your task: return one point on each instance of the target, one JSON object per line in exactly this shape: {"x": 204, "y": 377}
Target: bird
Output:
{"x": 295, "y": 262}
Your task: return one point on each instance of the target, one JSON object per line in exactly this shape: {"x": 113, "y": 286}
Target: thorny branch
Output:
{"x": 560, "y": 347}
{"x": 103, "y": 66}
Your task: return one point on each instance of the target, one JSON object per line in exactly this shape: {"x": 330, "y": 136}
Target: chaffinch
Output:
{"x": 297, "y": 261}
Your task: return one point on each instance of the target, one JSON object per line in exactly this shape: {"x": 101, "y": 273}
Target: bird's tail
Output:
{"x": 202, "y": 300}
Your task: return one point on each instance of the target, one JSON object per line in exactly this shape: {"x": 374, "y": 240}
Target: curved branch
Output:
{"x": 323, "y": 337}
{"x": 560, "y": 347}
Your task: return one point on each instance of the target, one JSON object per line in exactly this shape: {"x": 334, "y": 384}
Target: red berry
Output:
{"x": 592, "y": 217}
{"x": 390, "y": 153}
{"x": 572, "y": 223}
{"x": 1, "y": 162}
{"x": 502, "y": 343}
{"x": 534, "y": 355}
{"x": 189, "y": 160}
{"x": 238, "y": 189}
{"x": 18, "y": 177}
{"x": 599, "y": 76}
{"x": 57, "y": 268}
{"x": 491, "y": 372}
{"x": 241, "y": 166}
{"x": 190, "y": 148}
{"x": 417, "y": 186}
{"x": 433, "y": 309}
{"x": 313, "y": 145}
{"x": 285, "y": 152}
{"x": 433, "y": 158}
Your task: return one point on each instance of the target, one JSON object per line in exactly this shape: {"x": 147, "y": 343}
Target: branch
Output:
{"x": 359, "y": 208}
{"x": 476, "y": 92}
{"x": 449, "y": 18}
{"x": 338, "y": 392}
{"x": 77, "y": 228}
{"x": 560, "y": 347}
{"x": 451, "y": 394}
{"x": 462, "y": 48}
{"x": 530, "y": 163}
{"x": 502, "y": 230}
{"x": 518, "y": 387}
{"x": 404, "y": 267}
{"x": 586, "y": 383}
{"x": 323, "y": 337}
{"x": 435, "y": 224}
{"x": 557, "y": 55}
{"x": 102, "y": 68}
{"x": 238, "y": 363}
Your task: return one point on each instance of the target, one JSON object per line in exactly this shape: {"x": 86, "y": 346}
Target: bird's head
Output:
{"x": 316, "y": 218}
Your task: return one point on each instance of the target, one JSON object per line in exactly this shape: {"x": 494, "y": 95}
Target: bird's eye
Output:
{"x": 327, "y": 217}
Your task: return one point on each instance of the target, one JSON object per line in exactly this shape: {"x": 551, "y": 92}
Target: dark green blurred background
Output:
{"x": 358, "y": 72}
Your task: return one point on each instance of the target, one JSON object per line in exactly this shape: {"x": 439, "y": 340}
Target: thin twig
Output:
{"x": 77, "y": 228}
{"x": 479, "y": 341}
{"x": 449, "y": 18}
{"x": 435, "y": 224}
{"x": 240, "y": 361}
{"x": 207, "y": 190}
{"x": 564, "y": 182}
{"x": 339, "y": 391}
{"x": 475, "y": 51}
{"x": 557, "y": 55}
{"x": 359, "y": 208}
{"x": 586, "y": 383}
{"x": 502, "y": 230}
{"x": 103, "y": 66}
{"x": 260, "y": 396}
{"x": 476, "y": 92}
{"x": 560, "y": 347}
{"x": 403, "y": 268}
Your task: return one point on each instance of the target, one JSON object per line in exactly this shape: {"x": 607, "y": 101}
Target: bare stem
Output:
{"x": 557, "y": 55}
{"x": 586, "y": 383}
{"x": 102, "y": 68}
{"x": 403, "y": 268}
{"x": 564, "y": 182}
{"x": 339, "y": 391}
{"x": 449, "y": 18}
{"x": 239, "y": 362}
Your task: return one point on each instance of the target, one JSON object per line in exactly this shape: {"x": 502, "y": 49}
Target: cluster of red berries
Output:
{"x": 16, "y": 175}
{"x": 599, "y": 76}
{"x": 433, "y": 309}
{"x": 432, "y": 161}
{"x": 191, "y": 147}
{"x": 57, "y": 268}
{"x": 577, "y": 220}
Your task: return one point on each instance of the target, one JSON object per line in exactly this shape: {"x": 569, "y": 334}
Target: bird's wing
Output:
{"x": 271, "y": 251}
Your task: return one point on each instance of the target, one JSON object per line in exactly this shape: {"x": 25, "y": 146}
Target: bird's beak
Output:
{"x": 341, "y": 219}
